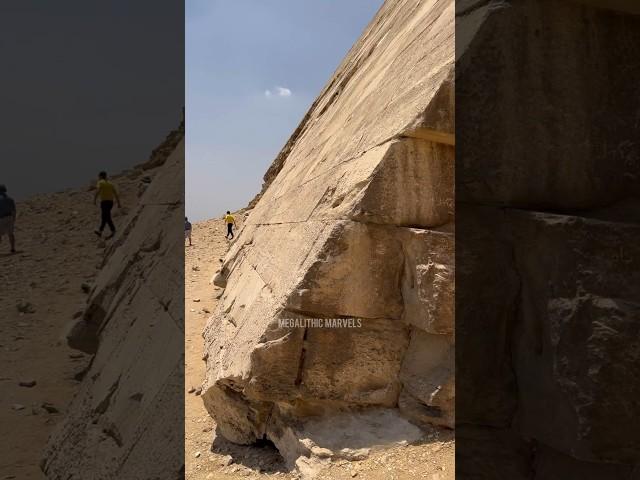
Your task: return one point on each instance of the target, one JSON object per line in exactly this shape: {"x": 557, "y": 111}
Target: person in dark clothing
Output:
{"x": 7, "y": 217}
{"x": 106, "y": 191}
{"x": 231, "y": 222}
{"x": 187, "y": 230}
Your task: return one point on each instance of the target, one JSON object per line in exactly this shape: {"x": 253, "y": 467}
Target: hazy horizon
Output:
{"x": 252, "y": 71}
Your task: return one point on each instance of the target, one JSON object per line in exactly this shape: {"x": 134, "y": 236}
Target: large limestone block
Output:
{"x": 126, "y": 420}
{"x": 576, "y": 350}
{"x": 311, "y": 368}
{"x": 249, "y": 351}
{"x": 391, "y": 183}
{"x": 358, "y": 366}
{"x": 262, "y": 274}
{"x": 428, "y": 380}
{"x": 530, "y": 142}
{"x": 562, "y": 329}
{"x": 406, "y": 190}
{"x": 428, "y": 280}
{"x": 485, "y": 317}
{"x": 356, "y": 273}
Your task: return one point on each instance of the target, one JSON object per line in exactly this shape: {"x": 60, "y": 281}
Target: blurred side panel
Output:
{"x": 547, "y": 230}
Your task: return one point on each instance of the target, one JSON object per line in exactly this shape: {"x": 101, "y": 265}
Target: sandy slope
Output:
{"x": 57, "y": 253}
{"x": 208, "y": 457}
{"x": 201, "y": 262}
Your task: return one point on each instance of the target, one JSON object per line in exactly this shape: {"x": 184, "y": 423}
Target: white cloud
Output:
{"x": 278, "y": 92}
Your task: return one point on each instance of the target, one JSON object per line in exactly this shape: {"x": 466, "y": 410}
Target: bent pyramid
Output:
{"x": 354, "y": 221}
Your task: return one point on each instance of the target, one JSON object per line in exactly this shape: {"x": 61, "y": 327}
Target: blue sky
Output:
{"x": 253, "y": 68}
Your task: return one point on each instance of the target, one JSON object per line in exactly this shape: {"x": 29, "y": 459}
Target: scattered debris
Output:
{"x": 49, "y": 407}
{"x": 25, "y": 307}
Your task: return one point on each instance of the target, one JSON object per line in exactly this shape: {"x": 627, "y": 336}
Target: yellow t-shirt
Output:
{"x": 106, "y": 190}
{"x": 229, "y": 219}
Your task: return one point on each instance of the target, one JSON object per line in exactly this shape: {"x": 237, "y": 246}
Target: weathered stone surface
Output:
{"x": 428, "y": 280}
{"x": 428, "y": 379}
{"x": 239, "y": 421}
{"x": 353, "y": 224}
{"x": 547, "y": 186}
{"x": 126, "y": 420}
{"x": 404, "y": 190}
{"x": 550, "y": 114}
{"x": 353, "y": 365}
{"x": 576, "y": 344}
{"x": 561, "y": 331}
{"x": 486, "y": 298}
{"x": 352, "y": 273}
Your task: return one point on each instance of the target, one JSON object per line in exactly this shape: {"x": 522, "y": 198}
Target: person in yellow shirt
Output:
{"x": 107, "y": 193}
{"x": 231, "y": 222}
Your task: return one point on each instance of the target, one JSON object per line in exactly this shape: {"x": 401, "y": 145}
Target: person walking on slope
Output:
{"x": 107, "y": 193}
{"x": 231, "y": 222}
{"x": 187, "y": 230}
{"x": 7, "y": 217}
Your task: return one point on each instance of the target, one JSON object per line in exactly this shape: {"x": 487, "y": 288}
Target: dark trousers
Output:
{"x": 105, "y": 208}
{"x": 230, "y": 229}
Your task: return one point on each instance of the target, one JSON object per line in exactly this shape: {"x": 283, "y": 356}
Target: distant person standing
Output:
{"x": 7, "y": 217}
{"x": 187, "y": 230}
{"x": 231, "y": 222}
{"x": 106, "y": 191}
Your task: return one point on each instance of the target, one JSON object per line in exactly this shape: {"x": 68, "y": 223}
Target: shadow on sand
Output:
{"x": 262, "y": 456}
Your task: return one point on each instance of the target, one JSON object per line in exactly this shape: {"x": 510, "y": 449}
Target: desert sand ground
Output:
{"x": 208, "y": 457}
{"x": 42, "y": 287}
